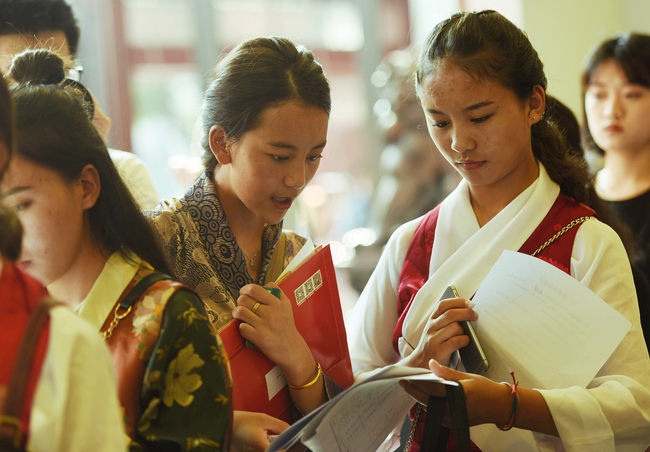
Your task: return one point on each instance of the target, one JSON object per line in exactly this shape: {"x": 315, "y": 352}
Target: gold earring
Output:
{"x": 532, "y": 117}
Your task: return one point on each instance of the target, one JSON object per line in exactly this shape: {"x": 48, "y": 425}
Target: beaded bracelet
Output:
{"x": 515, "y": 403}
{"x": 319, "y": 371}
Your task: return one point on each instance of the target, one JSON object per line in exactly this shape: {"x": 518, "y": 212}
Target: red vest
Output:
{"x": 19, "y": 293}
{"x": 415, "y": 271}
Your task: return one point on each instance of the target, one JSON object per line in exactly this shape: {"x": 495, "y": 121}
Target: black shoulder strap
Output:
{"x": 136, "y": 292}
{"x": 11, "y": 436}
{"x": 459, "y": 418}
{"x": 435, "y": 435}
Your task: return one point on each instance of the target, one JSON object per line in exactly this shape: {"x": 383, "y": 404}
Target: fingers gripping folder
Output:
{"x": 259, "y": 385}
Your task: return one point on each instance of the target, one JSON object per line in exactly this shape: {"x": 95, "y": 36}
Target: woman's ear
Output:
{"x": 219, "y": 145}
{"x": 536, "y": 104}
{"x": 91, "y": 186}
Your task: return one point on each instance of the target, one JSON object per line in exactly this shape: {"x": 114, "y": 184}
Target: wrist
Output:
{"x": 515, "y": 404}
{"x": 502, "y": 405}
{"x": 488, "y": 402}
{"x": 317, "y": 375}
{"x": 300, "y": 368}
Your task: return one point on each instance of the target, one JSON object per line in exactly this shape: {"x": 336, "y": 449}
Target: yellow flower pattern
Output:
{"x": 184, "y": 398}
{"x": 180, "y": 382}
{"x": 190, "y": 315}
{"x": 222, "y": 399}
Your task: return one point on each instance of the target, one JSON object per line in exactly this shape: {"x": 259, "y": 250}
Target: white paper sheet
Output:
{"x": 536, "y": 317}
{"x": 546, "y": 326}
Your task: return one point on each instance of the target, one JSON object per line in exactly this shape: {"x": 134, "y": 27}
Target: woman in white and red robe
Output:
{"x": 482, "y": 89}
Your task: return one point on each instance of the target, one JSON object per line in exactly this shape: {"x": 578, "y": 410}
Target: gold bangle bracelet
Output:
{"x": 319, "y": 371}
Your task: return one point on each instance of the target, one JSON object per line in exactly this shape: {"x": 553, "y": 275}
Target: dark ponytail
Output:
{"x": 44, "y": 67}
{"x": 570, "y": 172}
{"x": 488, "y": 45}
{"x": 37, "y": 67}
{"x": 6, "y": 123}
{"x": 54, "y": 131}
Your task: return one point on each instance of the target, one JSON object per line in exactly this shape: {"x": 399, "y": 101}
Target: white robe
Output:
{"x": 136, "y": 176}
{"x": 614, "y": 410}
{"x": 75, "y": 406}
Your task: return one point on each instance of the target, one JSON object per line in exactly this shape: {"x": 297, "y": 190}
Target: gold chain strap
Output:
{"x": 116, "y": 319}
{"x": 560, "y": 233}
{"x": 416, "y": 418}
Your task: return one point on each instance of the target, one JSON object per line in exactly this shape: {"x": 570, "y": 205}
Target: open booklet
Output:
{"x": 359, "y": 418}
{"x": 310, "y": 283}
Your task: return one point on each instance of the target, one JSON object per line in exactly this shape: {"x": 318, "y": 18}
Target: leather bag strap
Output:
{"x": 10, "y": 423}
{"x": 459, "y": 418}
{"x": 435, "y": 435}
{"x": 140, "y": 288}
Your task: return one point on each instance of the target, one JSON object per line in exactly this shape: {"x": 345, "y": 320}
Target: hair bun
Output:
{"x": 37, "y": 67}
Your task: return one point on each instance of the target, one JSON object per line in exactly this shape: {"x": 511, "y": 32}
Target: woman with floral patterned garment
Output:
{"x": 87, "y": 241}
{"x": 66, "y": 398}
{"x": 265, "y": 120}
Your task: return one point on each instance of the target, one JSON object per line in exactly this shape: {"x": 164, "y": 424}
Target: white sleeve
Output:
{"x": 371, "y": 322}
{"x": 136, "y": 176}
{"x": 75, "y": 405}
{"x": 613, "y": 412}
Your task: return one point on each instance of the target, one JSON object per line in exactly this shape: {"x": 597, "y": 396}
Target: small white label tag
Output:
{"x": 275, "y": 381}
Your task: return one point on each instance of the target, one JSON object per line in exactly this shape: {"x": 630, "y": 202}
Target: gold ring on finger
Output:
{"x": 256, "y": 306}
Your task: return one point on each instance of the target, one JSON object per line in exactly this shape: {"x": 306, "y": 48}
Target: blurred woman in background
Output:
{"x": 616, "y": 94}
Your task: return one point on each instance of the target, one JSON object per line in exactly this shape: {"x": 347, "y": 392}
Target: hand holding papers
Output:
{"x": 359, "y": 418}
{"x": 533, "y": 318}
{"x": 544, "y": 324}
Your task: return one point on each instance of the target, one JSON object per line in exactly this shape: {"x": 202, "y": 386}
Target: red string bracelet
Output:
{"x": 515, "y": 403}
